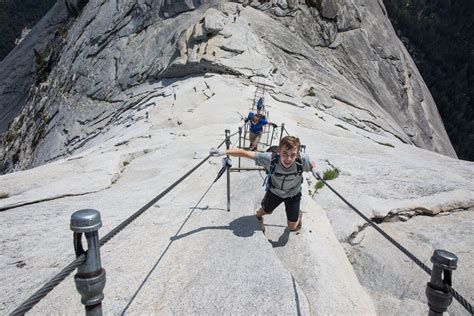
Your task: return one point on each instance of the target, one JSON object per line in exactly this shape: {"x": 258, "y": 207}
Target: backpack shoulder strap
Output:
{"x": 267, "y": 182}
{"x": 299, "y": 166}
{"x": 273, "y": 163}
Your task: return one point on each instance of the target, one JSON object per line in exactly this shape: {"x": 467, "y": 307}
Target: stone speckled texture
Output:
{"x": 143, "y": 89}
{"x": 220, "y": 261}
{"x": 114, "y": 46}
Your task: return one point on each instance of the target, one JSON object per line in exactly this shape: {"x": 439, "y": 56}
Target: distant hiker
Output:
{"x": 257, "y": 122}
{"x": 285, "y": 176}
{"x": 260, "y": 105}
{"x": 237, "y": 12}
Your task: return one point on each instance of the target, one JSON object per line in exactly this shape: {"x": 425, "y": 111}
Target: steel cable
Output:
{"x": 51, "y": 284}
{"x": 48, "y": 287}
{"x": 461, "y": 300}
{"x": 169, "y": 244}
{"x": 455, "y": 294}
{"x": 58, "y": 278}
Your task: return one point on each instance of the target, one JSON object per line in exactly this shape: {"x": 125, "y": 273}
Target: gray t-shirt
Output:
{"x": 285, "y": 182}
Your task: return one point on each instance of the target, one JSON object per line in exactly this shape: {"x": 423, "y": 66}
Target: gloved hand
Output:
{"x": 226, "y": 162}
{"x": 246, "y": 119}
{"x": 274, "y": 125}
{"x": 316, "y": 174}
{"x": 216, "y": 152}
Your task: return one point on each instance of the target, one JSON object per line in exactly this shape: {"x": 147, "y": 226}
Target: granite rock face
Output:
{"x": 171, "y": 8}
{"x": 127, "y": 95}
{"x": 74, "y": 7}
{"x": 210, "y": 259}
{"x": 346, "y": 52}
{"x": 18, "y": 69}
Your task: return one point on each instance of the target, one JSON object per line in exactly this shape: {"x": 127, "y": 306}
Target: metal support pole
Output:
{"x": 268, "y": 130}
{"x": 273, "y": 133}
{"x": 245, "y": 134}
{"x": 227, "y": 143}
{"x": 282, "y": 129}
{"x": 90, "y": 276}
{"x": 439, "y": 297}
{"x": 240, "y": 138}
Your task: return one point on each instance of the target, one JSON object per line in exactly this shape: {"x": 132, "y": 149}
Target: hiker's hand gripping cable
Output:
{"x": 316, "y": 173}
{"x": 216, "y": 152}
{"x": 226, "y": 164}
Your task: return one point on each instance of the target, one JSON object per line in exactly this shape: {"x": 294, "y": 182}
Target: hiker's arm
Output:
{"x": 250, "y": 116}
{"x": 235, "y": 152}
{"x": 313, "y": 170}
{"x": 247, "y": 118}
{"x": 272, "y": 124}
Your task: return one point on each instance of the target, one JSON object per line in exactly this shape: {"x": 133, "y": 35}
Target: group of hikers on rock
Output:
{"x": 257, "y": 122}
{"x": 284, "y": 168}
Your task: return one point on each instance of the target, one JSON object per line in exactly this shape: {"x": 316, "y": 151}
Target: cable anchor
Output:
{"x": 90, "y": 277}
{"x": 437, "y": 291}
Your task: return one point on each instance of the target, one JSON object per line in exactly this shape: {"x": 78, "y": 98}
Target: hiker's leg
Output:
{"x": 261, "y": 213}
{"x": 257, "y": 140}
{"x": 254, "y": 140}
{"x": 293, "y": 226}
{"x": 269, "y": 203}
{"x": 252, "y": 137}
{"x": 292, "y": 208}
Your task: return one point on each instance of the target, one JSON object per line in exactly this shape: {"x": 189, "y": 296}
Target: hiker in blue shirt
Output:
{"x": 257, "y": 122}
{"x": 284, "y": 178}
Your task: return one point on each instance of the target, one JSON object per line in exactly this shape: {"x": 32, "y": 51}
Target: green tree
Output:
{"x": 15, "y": 15}
{"x": 441, "y": 36}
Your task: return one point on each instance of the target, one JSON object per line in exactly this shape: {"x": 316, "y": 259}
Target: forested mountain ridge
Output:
{"x": 16, "y": 15}
{"x": 440, "y": 37}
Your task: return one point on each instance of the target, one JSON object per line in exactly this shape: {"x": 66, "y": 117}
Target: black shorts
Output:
{"x": 292, "y": 204}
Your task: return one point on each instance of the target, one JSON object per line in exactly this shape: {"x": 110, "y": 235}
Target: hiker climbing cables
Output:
{"x": 260, "y": 105}
{"x": 257, "y": 122}
{"x": 285, "y": 176}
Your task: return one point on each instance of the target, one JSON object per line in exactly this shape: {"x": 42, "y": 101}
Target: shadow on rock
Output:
{"x": 244, "y": 226}
{"x": 282, "y": 241}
